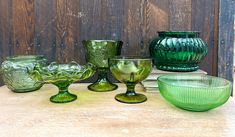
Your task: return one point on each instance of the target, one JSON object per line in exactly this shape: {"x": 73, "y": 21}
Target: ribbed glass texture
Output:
{"x": 194, "y": 92}
{"x": 178, "y": 51}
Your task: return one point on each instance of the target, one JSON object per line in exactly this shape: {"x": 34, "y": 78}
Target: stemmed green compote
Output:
{"x": 62, "y": 75}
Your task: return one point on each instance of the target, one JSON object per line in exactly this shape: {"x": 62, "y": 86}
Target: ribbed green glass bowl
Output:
{"x": 194, "y": 92}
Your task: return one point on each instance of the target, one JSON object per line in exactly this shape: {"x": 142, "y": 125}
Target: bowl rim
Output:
{"x": 228, "y": 83}
{"x": 25, "y": 57}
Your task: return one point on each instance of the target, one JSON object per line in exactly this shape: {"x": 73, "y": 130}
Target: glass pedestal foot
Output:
{"x": 131, "y": 99}
{"x": 63, "y": 97}
{"x": 102, "y": 87}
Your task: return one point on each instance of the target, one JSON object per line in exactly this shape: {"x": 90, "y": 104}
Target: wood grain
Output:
{"x": 226, "y": 39}
{"x": 6, "y": 30}
{"x": 157, "y": 18}
{"x": 23, "y": 20}
{"x": 205, "y": 21}
{"x": 55, "y": 28}
{"x": 66, "y": 30}
{"x": 90, "y": 22}
{"x": 180, "y": 15}
{"x": 134, "y": 25}
{"x": 112, "y": 19}
{"x": 45, "y": 30}
{"x": 100, "y": 115}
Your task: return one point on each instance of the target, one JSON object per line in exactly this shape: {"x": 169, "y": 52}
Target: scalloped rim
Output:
{"x": 228, "y": 83}
{"x": 24, "y": 57}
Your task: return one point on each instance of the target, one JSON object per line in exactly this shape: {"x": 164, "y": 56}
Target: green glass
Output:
{"x": 62, "y": 75}
{"x": 178, "y": 51}
{"x": 98, "y": 52}
{"x": 194, "y": 92}
{"x": 14, "y": 72}
{"x": 130, "y": 70}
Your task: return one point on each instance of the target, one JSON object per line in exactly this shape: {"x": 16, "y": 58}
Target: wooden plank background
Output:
{"x": 55, "y": 28}
{"x": 226, "y": 39}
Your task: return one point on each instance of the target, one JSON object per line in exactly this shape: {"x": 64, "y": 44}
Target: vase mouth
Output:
{"x": 24, "y": 57}
{"x": 179, "y": 34}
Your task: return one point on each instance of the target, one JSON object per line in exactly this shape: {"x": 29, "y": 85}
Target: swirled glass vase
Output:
{"x": 14, "y": 72}
{"x": 178, "y": 51}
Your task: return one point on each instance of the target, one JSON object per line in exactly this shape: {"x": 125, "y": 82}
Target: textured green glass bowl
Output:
{"x": 194, "y": 92}
{"x": 98, "y": 52}
{"x": 14, "y": 72}
{"x": 130, "y": 70}
{"x": 62, "y": 75}
{"x": 178, "y": 51}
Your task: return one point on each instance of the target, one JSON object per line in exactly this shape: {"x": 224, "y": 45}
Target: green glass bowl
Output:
{"x": 62, "y": 75}
{"x": 14, "y": 72}
{"x": 194, "y": 92}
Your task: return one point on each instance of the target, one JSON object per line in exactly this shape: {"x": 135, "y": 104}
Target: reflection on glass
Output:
{"x": 130, "y": 70}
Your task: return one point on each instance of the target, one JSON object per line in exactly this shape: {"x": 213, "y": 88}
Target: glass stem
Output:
{"x": 63, "y": 90}
{"x": 102, "y": 75}
{"x": 63, "y": 86}
{"x": 130, "y": 89}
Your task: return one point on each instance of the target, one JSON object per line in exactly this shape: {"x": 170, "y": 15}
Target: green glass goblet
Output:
{"x": 98, "y": 52}
{"x": 130, "y": 70}
{"x": 62, "y": 75}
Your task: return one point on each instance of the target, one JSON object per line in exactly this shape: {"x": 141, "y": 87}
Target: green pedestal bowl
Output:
{"x": 62, "y": 75}
{"x": 130, "y": 70}
{"x": 194, "y": 92}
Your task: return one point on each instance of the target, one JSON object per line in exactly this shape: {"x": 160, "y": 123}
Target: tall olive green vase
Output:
{"x": 98, "y": 52}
